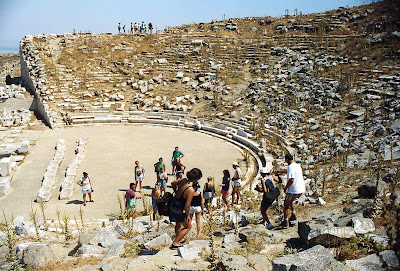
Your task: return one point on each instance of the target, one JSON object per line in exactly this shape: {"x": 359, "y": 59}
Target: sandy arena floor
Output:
{"x": 109, "y": 160}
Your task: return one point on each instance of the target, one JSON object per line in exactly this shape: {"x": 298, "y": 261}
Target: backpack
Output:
{"x": 259, "y": 186}
{"x": 164, "y": 203}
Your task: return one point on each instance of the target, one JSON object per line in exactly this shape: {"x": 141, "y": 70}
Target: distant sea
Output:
{"x": 4, "y": 50}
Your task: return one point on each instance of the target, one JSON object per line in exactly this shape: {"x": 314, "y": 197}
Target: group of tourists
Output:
{"x": 136, "y": 28}
{"x": 191, "y": 201}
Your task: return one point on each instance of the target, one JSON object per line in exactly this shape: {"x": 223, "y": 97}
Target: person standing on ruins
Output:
{"x": 119, "y": 28}
{"x": 150, "y": 28}
{"x": 295, "y": 186}
{"x": 136, "y": 27}
{"x": 225, "y": 186}
{"x": 176, "y": 154}
{"x": 163, "y": 179}
{"x": 237, "y": 182}
{"x": 179, "y": 211}
{"x": 131, "y": 28}
{"x": 179, "y": 168}
{"x": 86, "y": 185}
{"x": 139, "y": 175}
{"x": 158, "y": 166}
{"x": 124, "y": 28}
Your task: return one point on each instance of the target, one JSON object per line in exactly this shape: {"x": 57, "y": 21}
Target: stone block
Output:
{"x": 235, "y": 262}
{"x": 90, "y": 250}
{"x": 24, "y": 147}
{"x": 317, "y": 232}
{"x": 5, "y": 166}
{"x": 106, "y": 238}
{"x": 114, "y": 251}
{"x": 38, "y": 255}
{"x": 363, "y": 225}
{"x": 313, "y": 259}
{"x": 160, "y": 241}
{"x": 369, "y": 263}
{"x": 390, "y": 259}
{"x": 192, "y": 250}
{"x": 4, "y": 186}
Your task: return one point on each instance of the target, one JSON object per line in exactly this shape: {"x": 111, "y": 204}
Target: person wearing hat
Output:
{"x": 237, "y": 183}
{"x": 267, "y": 183}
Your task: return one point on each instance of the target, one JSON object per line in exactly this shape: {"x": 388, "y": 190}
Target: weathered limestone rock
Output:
{"x": 363, "y": 225}
{"x": 313, "y": 259}
{"x": 390, "y": 259}
{"x": 90, "y": 250}
{"x": 5, "y": 166}
{"x": 160, "y": 241}
{"x": 192, "y": 250}
{"x": 114, "y": 251}
{"x": 369, "y": 263}
{"x": 38, "y": 255}
{"x": 317, "y": 232}
{"x": 106, "y": 237}
{"x": 235, "y": 262}
{"x": 4, "y": 186}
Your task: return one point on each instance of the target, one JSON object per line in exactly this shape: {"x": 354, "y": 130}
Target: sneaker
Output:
{"x": 270, "y": 226}
{"x": 284, "y": 224}
{"x": 293, "y": 217}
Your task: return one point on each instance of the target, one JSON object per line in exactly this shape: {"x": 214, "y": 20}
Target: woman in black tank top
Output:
{"x": 184, "y": 193}
{"x": 197, "y": 205}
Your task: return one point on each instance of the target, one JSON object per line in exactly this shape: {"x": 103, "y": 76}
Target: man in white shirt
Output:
{"x": 295, "y": 186}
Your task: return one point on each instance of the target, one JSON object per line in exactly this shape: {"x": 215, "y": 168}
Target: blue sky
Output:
{"x": 23, "y": 17}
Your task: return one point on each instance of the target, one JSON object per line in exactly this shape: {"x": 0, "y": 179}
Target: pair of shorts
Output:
{"x": 237, "y": 184}
{"x": 291, "y": 197}
{"x": 139, "y": 178}
{"x": 154, "y": 203}
{"x": 266, "y": 202}
{"x": 225, "y": 192}
{"x": 162, "y": 184}
{"x": 86, "y": 190}
{"x": 195, "y": 209}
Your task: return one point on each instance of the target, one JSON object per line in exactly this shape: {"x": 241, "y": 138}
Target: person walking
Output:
{"x": 295, "y": 186}
{"x": 197, "y": 206}
{"x": 225, "y": 186}
{"x": 237, "y": 183}
{"x": 86, "y": 185}
{"x": 157, "y": 167}
{"x": 209, "y": 191}
{"x": 183, "y": 199}
{"x": 139, "y": 175}
{"x": 267, "y": 184}
{"x": 124, "y": 28}
{"x": 176, "y": 154}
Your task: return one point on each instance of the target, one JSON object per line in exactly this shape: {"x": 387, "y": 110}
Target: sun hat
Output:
{"x": 235, "y": 164}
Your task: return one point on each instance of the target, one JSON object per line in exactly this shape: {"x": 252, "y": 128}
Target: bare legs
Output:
{"x": 181, "y": 232}
{"x": 235, "y": 191}
{"x": 264, "y": 212}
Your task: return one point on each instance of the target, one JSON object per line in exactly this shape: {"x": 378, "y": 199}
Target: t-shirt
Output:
{"x": 225, "y": 183}
{"x": 139, "y": 171}
{"x": 130, "y": 194}
{"x": 177, "y": 154}
{"x": 236, "y": 174}
{"x": 294, "y": 172}
{"x": 159, "y": 166}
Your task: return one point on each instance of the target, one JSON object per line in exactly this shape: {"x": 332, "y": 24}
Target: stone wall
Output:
{"x": 29, "y": 80}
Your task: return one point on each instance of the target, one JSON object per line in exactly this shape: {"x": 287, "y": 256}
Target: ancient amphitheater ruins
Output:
{"x": 324, "y": 87}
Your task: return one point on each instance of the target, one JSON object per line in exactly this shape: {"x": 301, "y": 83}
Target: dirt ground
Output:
{"x": 109, "y": 160}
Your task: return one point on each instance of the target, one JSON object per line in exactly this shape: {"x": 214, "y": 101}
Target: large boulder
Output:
{"x": 363, "y": 225}
{"x": 369, "y": 263}
{"x": 160, "y": 241}
{"x": 313, "y": 259}
{"x": 38, "y": 255}
{"x": 365, "y": 207}
{"x": 114, "y": 251}
{"x": 256, "y": 234}
{"x": 106, "y": 237}
{"x": 323, "y": 232}
{"x": 90, "y": 250}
